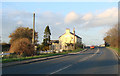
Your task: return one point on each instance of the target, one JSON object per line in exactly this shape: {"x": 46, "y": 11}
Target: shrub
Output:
{"x": 78, "y": 45}
{"x": 22, "y": 47}
{"x": 40, "y": 47}
{"x": 12, "y": 56}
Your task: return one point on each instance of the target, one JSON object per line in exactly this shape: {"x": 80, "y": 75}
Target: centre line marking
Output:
{"x": 60, "y": 69}
{"x": 80, "y": 60}
{"x": 89, "y": 56}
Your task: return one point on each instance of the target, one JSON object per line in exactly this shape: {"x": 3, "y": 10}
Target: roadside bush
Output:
{"x": 5, "y": 57}
{"x": 78, "y": 45}
{"x": 54, "y": 52}
{"x": 12, "y": 56}
{"x": 40, "y": 47}
{"x": 5, "y": 47}
{"x": 22, "y": 47}
{"x": 64, "y": 50}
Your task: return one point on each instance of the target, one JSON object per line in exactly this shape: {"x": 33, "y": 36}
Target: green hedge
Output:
{"x": 5, "y": 59}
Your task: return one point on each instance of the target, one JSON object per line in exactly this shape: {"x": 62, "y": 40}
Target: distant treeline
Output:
{"x": 5, "y": 47}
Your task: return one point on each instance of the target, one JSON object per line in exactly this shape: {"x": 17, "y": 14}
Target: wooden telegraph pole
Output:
{"x": 33, "y": 38}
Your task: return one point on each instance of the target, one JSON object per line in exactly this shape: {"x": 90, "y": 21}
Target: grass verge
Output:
{"x": 117, "y": 50}
{"x": 6, "y": 60}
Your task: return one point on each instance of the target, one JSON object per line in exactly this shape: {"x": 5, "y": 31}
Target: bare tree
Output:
{"x": 112, "y": 36}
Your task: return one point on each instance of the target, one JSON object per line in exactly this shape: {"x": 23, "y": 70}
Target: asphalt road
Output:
{"x": 95, "y": 61}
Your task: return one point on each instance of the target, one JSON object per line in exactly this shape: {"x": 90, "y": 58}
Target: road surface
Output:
{"x": 95, "y": 61}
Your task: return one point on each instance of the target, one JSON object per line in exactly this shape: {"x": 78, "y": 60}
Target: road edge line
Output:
{"x": 114, "y": 52}
{"x": 60, "y": 69}
{"x": 86, "y": 58}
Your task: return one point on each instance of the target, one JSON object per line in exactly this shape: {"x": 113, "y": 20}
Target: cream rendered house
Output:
{"x": 68, "y": 39}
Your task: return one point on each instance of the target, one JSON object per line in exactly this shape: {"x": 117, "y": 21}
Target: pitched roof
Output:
{"x": 72, "y": 34}
{"x": 76, "y": 35}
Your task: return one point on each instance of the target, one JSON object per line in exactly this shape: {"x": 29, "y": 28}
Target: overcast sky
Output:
{"x": 90, "y": 19}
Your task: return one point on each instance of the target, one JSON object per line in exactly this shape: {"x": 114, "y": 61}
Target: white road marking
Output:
{"x": 89, "y": 56}
{"x": 100, "y": 53}
{"x": 60, "y": 69}
{"x": 80, "y": 60}
{"x": 115, "y": 53}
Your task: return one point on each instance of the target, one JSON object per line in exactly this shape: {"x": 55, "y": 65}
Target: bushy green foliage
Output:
{"x": 40, "y": 47}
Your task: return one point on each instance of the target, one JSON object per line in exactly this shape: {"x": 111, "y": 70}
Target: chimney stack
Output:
{"x": 73, "y": 30}
{"x": 67, "y": 30}
{"x": 74, "y": 37}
